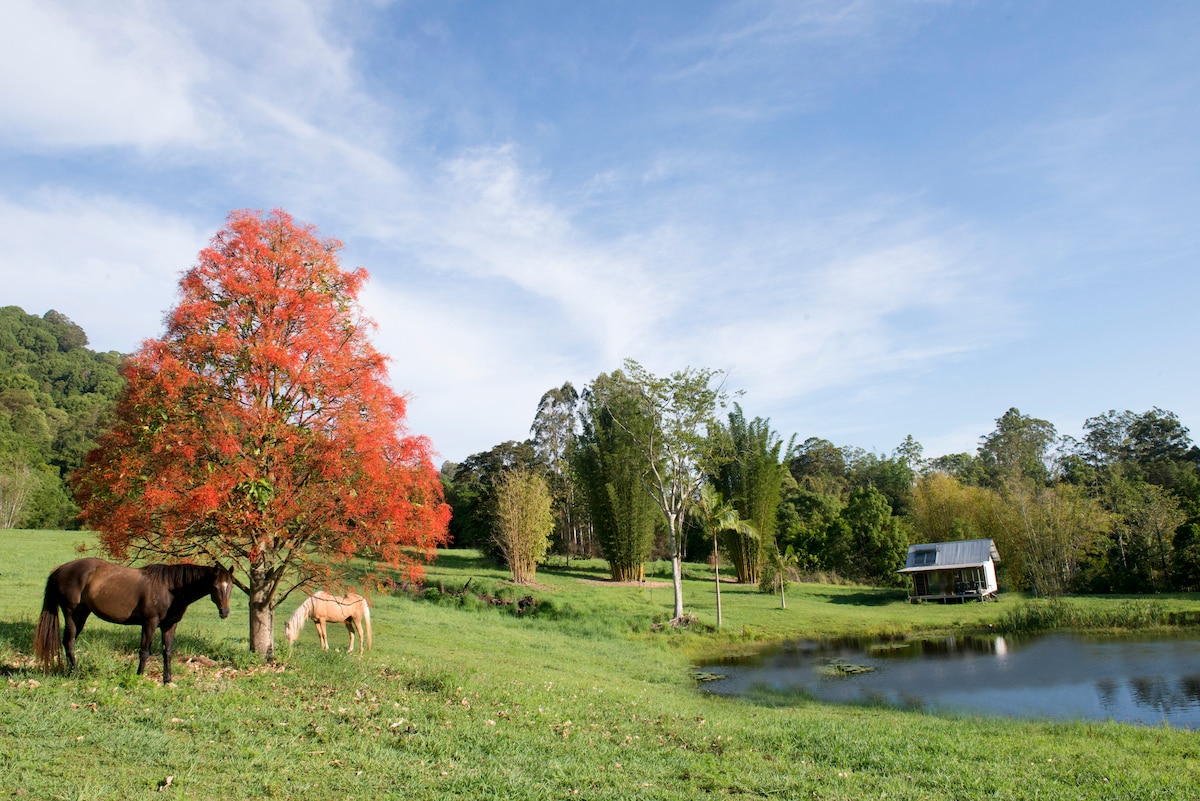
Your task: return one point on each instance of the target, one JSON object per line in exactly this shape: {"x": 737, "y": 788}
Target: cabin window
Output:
{"x": 925, "y": 557}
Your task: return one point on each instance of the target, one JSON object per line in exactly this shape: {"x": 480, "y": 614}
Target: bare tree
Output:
{"x": 17, "y": 483}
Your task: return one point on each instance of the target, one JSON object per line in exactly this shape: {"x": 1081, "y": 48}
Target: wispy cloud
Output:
{"x": 706, "y": 225}
{"x": 111, "y": 264}
{"x": 85, "y": 75}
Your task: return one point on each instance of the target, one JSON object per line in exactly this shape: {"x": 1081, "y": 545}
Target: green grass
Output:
{"x": 582, "y": 696}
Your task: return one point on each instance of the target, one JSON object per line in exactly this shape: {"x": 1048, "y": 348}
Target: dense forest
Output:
{"x": 56, "y": 396}
{"x": 1117, "y": 511}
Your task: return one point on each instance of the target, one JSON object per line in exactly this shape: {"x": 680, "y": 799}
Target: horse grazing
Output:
{"x": 322, "y": 608}
{"x": 154, "y": 596}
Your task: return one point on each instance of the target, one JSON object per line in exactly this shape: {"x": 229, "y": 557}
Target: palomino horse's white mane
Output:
{"x": 296, "y": 621}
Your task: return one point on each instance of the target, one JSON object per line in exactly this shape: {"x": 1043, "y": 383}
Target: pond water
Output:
{"x": 1059, "y": 676}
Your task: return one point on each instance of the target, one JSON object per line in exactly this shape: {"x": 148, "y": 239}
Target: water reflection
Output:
{"x": 1149, "y": 682}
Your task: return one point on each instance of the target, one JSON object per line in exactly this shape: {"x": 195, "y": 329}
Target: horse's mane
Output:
{"x": 296, "y": 621}
{"x": 177, "y": 575}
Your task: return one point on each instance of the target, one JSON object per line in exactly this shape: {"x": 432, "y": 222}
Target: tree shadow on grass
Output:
{"x": 463, "y": 561}
{"x": 586, "y": 574}
{"x": 122, "y": 641}
{"x": 18, "y": 636}
{"x": 359, "y": 574}
{"x": 876, "y": 598}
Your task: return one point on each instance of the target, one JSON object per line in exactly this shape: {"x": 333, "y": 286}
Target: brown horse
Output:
{"x": 154, "y": 596}
{"x": 322, "y": 608}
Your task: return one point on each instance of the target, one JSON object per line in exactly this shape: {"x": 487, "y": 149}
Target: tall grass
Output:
{"x": 1092, "y": 614}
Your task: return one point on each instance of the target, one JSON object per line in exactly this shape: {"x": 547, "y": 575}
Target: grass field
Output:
{"x": 583, "y": 697}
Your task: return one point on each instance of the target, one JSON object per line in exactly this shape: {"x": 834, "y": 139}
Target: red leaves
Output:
{"x": 262, "y": 422}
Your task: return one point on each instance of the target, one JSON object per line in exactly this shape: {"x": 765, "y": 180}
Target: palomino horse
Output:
{"x": 154, "y": 596}
{"x": 322, "y": 608}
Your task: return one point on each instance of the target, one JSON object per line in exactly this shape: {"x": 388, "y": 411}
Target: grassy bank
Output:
{"x": 580, "y": 696}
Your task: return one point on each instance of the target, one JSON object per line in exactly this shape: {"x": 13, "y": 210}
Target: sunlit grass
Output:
{"x": 582, "y": 698}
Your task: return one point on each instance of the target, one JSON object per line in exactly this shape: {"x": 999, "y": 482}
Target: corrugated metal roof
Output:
{"x": 950, "y": 555}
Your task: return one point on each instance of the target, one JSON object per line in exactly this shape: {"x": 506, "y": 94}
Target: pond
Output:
{"x": 1059, "y": 676}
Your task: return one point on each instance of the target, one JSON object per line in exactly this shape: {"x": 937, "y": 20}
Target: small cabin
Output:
{"x": 952, "y": 572}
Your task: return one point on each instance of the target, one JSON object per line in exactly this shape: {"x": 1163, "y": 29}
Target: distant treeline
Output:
{"x": 1115, "y": 511}
{"x": 56, "y": 396}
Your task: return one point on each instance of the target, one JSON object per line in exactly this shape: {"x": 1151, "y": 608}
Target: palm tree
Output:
{"x": 781, "y": 562}
{"x": 718, "y": 515}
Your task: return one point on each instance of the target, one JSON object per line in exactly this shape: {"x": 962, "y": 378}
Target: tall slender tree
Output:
{"x": 555, "y": 430}
{"x": 261, "y": 429}
{"x": 675, "y": 445}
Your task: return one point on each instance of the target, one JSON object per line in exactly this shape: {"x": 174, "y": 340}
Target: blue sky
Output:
{"x": 881, "y": 218}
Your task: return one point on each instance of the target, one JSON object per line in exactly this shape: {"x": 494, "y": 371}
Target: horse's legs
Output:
{"x": 73, "y": 621}
{"x": 168, "y": 644}
{"x": 351, "y": 625}
{"x": 321, "y": 634}
{"x": 147, "y": 638}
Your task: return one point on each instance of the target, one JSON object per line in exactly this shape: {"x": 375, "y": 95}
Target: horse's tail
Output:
{"x": 46, "y": 645}
{"x": 367, "y": 622}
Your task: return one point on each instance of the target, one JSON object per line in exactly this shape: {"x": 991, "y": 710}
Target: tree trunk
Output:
{"x": 676, "y": 567}
{"x": 627, "y": 572}
{"x": 262, "y": 618}
{"x": 746, "y": 555}
{"x": 717, "y": 575}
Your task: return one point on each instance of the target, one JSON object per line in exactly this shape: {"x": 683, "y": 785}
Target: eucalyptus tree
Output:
{"x": 555, "y": 430}
{"x": 669, "y": 424}
{"x": 1140, "y": 467}
{"x": 1145, "y": 518}
{"x": 820, "y": 466}
{"x": 910, "y": 453}
{"x": 1019, "y": 447}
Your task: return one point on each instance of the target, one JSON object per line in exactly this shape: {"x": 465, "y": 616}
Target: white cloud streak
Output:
{"x": 82, "y": 75}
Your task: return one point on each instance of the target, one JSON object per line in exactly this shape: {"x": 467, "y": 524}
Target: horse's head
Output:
{"x": 292, "y": 631}
{"x": 222, "y": 586}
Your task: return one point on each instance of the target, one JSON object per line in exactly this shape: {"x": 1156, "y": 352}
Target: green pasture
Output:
{"x": 584, "y": 695}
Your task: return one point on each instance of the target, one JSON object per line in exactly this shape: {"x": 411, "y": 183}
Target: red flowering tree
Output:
{"x": 261, "y": 430}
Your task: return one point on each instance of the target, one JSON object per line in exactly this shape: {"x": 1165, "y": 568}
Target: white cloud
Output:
{"x": 110, "y": 265}
{"x": 473, "y": 378}
{"x": 81, "y": 74}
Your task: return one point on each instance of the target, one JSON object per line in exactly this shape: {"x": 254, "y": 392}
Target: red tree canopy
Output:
{"x": 261, "y": 428}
